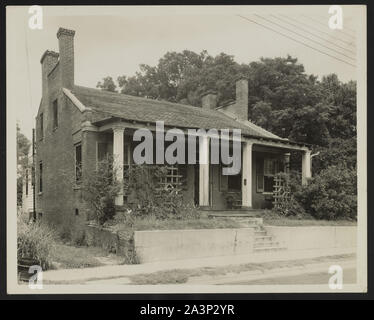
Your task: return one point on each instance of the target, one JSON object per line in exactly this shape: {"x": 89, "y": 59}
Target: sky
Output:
{"x": 115, "y": 40}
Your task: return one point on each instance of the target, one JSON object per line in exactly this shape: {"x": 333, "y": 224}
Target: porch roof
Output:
{"x": 108, "y": 105}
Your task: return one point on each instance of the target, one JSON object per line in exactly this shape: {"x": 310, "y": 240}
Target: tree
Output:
{"x": 342, "y": 99}
{"x": 262, "y": 114}
{"x": 107, "y": 84}
{"x": 23, "y": 147}
{"x": 282, "y": 97}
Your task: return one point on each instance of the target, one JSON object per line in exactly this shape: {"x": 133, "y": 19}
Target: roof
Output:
{"x": 106, "y": 105}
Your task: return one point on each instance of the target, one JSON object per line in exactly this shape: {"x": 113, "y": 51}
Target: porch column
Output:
{"x": 204, "y": 171}
{"x": 247, "y": 175}
{"x": 118, "y": 152}
{"x": 287, "y": 162}
{"x": 306, "y": 166}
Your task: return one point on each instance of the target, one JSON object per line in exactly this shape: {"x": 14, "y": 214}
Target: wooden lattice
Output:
{"x": 281, "y": 192}
{"x": 172, "y": 180}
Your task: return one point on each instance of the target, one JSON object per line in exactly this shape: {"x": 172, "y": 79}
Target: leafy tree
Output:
{"x": 282, "y": 97}
{"x": 182, "y": 77}
{"x": 281, "y": 82}
{"x": 338, "y": 152}
{"x": 262, "y": 114}
{"x": 342, "y": 99}
{"x": 107, "y": 84}
{"x": 23, "y": 147}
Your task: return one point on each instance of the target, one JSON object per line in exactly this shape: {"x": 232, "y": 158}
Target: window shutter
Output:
{"x": 260, "y": 174}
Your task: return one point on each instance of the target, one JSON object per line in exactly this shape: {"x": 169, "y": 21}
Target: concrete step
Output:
{"x": 261, "y": 233}
{"x": 267, "y": 249}
{"x": 265, "y": 244}
{"x": 259, "y": 238}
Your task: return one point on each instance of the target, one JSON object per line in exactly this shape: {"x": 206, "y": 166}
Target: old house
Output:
{"x": 77, "y": 126}
{"x": 28, "y": 189}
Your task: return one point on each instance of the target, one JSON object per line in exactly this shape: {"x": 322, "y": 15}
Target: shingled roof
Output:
{"x": 106, "y": 105}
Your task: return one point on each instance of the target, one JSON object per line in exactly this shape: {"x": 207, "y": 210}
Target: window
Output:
{"x": 78, "y": 163}
{"x": 27, "y": 181}
{"x": 41, "y": 177}
{"x": 266, "y": 169}
{"x": 55, "y": 114}
{"x": 41, "y": 126}
{"x": 232, "y": 182}
{"x": 76, "y": 211}
{"x": 102, "y": 151}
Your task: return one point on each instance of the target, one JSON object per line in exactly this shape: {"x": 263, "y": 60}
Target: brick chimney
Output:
{"x": 66, "y": 47}
{"x": 209, "y": 100}
{"x": 48, "y": 61}
{"x": 241, "y": 105}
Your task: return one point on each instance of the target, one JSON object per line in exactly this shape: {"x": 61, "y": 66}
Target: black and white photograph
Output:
{"x": 186, "y": 149}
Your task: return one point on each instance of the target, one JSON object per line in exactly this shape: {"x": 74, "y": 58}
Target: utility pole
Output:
{"x": 33, "y": 175}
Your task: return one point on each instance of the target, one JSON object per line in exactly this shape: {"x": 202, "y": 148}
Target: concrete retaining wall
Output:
{"x": 164, "y": 245}
{"x": 315, "y": 237}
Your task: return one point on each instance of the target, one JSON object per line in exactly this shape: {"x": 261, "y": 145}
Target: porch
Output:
{"x": 203, "y": 183}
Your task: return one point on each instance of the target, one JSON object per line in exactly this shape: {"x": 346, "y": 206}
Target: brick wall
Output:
{"x": 60, "y": 196}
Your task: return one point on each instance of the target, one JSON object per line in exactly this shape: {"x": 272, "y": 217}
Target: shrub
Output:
{"x": 331, "y": 195}
{"x": 288, "y": 205}
{"x": 100, "y": 189}
{"x": 36, "y": 242}
{"x": 147, "y": 197}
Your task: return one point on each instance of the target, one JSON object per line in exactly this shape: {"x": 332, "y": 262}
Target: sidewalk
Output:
{"x": 76, "y": 276}
{"x": 276, "y": 273}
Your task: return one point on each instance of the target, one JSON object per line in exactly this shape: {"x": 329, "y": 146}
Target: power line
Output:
{"x": 313, "y": 34}
{"x": 298, "y": 41}
{"x": 301, "y": 35}
{"x": 323, "y": 24}
{"x": 28, "y": 65}
{"x": 326, "y": 33}
{"x": 345, "y": 28}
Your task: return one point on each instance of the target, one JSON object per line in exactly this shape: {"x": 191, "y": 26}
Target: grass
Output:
{"x": 270, "y": 218}
{"x": 151, "y": 223}
{"x": 178, "y": 276}
{"x": 70, "y": 257}
{"x": 273, "y": 219}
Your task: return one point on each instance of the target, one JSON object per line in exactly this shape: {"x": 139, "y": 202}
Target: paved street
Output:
{"x": 349, "y": 277}
{"x": 301, "y": 274}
